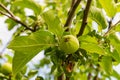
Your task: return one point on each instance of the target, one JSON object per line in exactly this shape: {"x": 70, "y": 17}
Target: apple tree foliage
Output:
{"x": 40, "y": 27}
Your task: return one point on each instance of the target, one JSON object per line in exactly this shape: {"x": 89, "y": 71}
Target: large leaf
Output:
{"x": 97, "y": 15}
{"x": 106, "y": 64}
{"x": 109, "y": 6}
{"x": 53, "y": 23}
{"x": 28, "y": 4}
{"x": 26, "y": 47}
{"x": 90, "y": 44}
{"x": 92, "y": 48}
{"x": 87, "y": 38}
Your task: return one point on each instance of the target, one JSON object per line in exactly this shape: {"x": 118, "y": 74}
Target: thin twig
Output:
{"x": 111, "y": 28}
{"x": 71, "y": 13}
{"x": 11, "y": 16}
{"x": 1, "y": 5}
{"x": 84, "y": 21}
{"x": 4, "y": 14}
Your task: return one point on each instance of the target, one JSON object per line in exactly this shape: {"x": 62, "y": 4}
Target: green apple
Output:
{"x": 6, "y": 68}
{"x": 69, "y": 44}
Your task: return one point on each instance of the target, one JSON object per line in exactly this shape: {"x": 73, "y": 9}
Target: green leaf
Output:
{"x": 87, "y": 38}
{"x": 97, "y": 3}
{"x": 97, "y": 15}
{"x": 115, "y": 74}
{"x": 109, "y": 6}
{"x": 29, "y": 4}
{"x": 53, "y": 23}
{"x": 90, "y": 44}
{"x": 106, "y": 64}
{"x": 118, "y": 7}
{"x": 92, "y": 48}
{"x": 115, "y": 42}
{"x": 10, "y": 23}
{"x": 116, "y": 56}
{"x": 26, "y": 47}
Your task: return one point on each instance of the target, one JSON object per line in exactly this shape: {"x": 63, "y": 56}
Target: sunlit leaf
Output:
{"x": 97, "y": 15}
{"x": 92, "y": 48}
{"x": 29, "y": 4}
{"x": 116, "y": 74}
{"x": 116, "y": 56}
{"x": 87, "y": 38}
{"x": 53, "y": 22}
{"x": 109, "y": 6}
{"x": 106, "y": 64}
{"x": 10, "y": 23}
{"x": 26, "y": 47}
{"x": 118, "y": 7}
{"x": 117, "y": 28}
{"x": 115, "y": 42}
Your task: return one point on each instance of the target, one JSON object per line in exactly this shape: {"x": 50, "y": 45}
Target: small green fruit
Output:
{"x": 69, "y": 44}
{"x": 6, "y": 68}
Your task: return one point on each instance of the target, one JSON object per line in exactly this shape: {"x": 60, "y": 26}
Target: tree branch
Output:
{"x": 11, "y": 16}
{"x": 89, "y": 76}
{"x": 112, "y": 26}
{"x": 71, "y": 12}
{"x": 84, "y": 21}
{"x": 74, "y": 6}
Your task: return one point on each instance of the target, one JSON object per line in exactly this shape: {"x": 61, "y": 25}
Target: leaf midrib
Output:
{"x": 24, "y": 46}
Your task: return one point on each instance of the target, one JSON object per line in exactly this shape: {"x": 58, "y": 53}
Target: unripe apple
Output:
{"x": 6, "y": 68}
{"x": 69, "y": 44}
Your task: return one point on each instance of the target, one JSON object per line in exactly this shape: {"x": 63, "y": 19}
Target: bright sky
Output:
{"x": 5, "y": 35}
